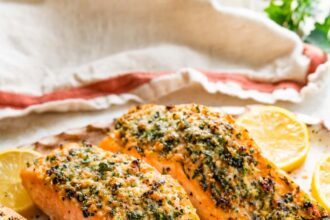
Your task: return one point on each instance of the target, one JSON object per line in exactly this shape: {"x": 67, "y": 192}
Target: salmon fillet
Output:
{"x": 215, "y": 160}
{"x": 80, "y": 181}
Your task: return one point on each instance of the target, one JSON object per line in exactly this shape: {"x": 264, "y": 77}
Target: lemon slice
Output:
{"x": 321, "y": 182}
{"x": 283, "y": 139}
{"x": 12, "y": 193}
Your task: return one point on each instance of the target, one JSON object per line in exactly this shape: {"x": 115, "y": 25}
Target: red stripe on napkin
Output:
{"x": 115, "y": 85}
{"x": 129, "y": 81}
{"x": 316, "y": 55}
{"x": 249, "y": 84}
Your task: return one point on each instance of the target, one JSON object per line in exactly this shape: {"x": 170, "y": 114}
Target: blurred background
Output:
{"x": 51, "y": 48}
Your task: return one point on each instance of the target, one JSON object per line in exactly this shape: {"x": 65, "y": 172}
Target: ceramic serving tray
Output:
{"x": 94, "y": 133}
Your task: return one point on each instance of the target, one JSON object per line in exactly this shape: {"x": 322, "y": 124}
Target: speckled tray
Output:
{"x": 94, "y": 133}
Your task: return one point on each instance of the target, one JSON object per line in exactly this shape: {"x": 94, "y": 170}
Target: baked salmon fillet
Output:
{"x": 215, "y": 160}
{"x": 80, "y": 181}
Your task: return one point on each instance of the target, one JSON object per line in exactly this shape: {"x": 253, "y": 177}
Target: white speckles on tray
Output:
{"x": 320, "y": 140}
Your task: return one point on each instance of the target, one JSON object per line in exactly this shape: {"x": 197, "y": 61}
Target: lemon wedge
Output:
{"x": 12, "y": 193}
{"x": 321, "y": 182}
{"x": 283, "y": 139}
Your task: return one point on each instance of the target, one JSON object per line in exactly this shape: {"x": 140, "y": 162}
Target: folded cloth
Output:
{"x": 76, "y": 55}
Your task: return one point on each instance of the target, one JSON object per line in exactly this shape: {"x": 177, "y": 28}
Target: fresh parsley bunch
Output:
{"x": 293, "y": 13}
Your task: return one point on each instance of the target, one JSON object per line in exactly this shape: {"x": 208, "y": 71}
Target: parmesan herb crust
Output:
{"x": 219, "y": 155}
{"x": 113, "y": 185}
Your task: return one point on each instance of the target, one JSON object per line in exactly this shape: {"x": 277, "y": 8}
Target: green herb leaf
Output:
{"x": 320, "y": 35}
{"x": 104, "y": 167}
{"x": 290, "y": 13}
